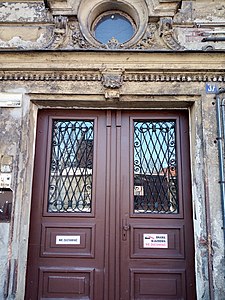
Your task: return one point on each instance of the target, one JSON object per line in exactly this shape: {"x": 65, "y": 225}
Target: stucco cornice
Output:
{"x": 88, "y": 65}
{"x": 128, "y": 76}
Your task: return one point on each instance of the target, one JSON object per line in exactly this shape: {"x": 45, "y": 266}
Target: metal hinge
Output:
{"x": 207, "y": 243}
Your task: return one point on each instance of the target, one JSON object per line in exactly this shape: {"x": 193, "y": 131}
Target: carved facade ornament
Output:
{"x": 112, "y": 78}
{"x": 151, "y": 39}
{"x": 167, "y": 33}
{"x": 75, "y": 32}
{"x": 113, "y": 44}
{"x": 77, "y": 38}
{"x": 60, "y": 32}
{"x": 112, "y": 94}
{"x": 158, "y": 36}
{"x": 112, "y": 81}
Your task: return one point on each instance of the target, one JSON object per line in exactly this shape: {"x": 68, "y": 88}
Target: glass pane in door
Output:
{"x": 71, "y": 166}
{"x": 155, "y": 167}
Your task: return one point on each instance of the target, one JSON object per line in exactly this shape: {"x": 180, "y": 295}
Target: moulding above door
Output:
{"x": 111, "y": 80}
{"x": 78, "y": 63}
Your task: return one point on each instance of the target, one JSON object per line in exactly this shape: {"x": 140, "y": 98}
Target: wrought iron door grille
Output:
{"x": 155, "y": 167}
{"x": 71, "y": 166}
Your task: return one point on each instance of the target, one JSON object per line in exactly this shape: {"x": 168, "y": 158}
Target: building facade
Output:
{"x": 111, "y": 147}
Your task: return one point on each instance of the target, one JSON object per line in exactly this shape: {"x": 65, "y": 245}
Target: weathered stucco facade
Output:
{"x": 49, "y": 58}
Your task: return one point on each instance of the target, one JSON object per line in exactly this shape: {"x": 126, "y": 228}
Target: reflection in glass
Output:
{"x": 113, "y": 26}
{"x": 155, "y": 167}
{"x": 70, "y": 180}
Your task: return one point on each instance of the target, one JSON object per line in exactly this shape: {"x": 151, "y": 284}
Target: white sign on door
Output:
{"x": 138, "y": 190}
{"x": 153, "y": 240}
{"x": 68, "y": 239}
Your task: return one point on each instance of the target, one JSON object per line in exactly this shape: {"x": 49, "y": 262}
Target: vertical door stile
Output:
{"x": 124, "y": 205}
{"x": 107, "y": 274}
{"x": 118, "y": 199}
{"x": 187, "y": 206}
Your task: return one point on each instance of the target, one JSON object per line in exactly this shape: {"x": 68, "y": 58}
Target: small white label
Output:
{"x": 10, "y": 99}
{"x": 5, "y": 180}
{"x": 68, "y": 239}
{"x": 138, "y": 190}
{"x": 153, "y": 240}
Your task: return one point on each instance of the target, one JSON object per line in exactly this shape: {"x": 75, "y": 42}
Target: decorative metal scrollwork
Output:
{"x": 155, "y": 167}
{"x": 70, "y": 179}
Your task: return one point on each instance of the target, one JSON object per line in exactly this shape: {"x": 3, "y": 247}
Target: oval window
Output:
{"x": 113, "y": 26}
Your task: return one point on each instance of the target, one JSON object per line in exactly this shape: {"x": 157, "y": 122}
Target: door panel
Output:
{"x": 111, "y": 210}
{"x": 66, "y": 284}
{"x": 156, "y": 260}
{"x": 175, "y": 241}
{"x": 66, "y": 246}
{"x": 157, "y": 284}
{"x": 53, "y": 242}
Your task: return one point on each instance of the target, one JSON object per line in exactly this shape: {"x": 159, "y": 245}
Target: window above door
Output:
{"x": 113, "y": 27}
{"x": 113, "y": 24}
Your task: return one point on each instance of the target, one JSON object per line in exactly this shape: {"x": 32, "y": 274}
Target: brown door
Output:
{"x": 157, "y": 235}
{"x": 111, "y": 211}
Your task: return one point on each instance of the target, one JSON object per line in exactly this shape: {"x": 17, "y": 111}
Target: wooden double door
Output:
{"x": 111, "y": 214}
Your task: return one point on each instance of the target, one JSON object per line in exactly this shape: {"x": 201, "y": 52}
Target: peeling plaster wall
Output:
{"x": 4, "y": 241}
{"x": 10, "y": 140}
{"x": 16, "y": 140}
{"x": 24, "y": 25}
{"x": 201, "y": 256}
{"x": 212, "y": 194}
{"x": 23, "y": 12}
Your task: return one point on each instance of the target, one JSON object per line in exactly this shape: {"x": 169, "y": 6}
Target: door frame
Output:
{"x": 117, "y": 147}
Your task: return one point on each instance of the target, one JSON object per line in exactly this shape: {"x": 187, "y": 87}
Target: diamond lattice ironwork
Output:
{"x": 70, "y": 180}
{"x": 155, "y": 167}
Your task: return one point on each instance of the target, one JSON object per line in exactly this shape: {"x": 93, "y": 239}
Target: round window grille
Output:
{"x": 113, "y": 26}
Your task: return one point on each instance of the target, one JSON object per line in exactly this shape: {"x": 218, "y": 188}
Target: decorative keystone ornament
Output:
{"x": 112, "y": 78}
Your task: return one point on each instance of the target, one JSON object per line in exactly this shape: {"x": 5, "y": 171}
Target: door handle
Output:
{"x": 125, "y": 228}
